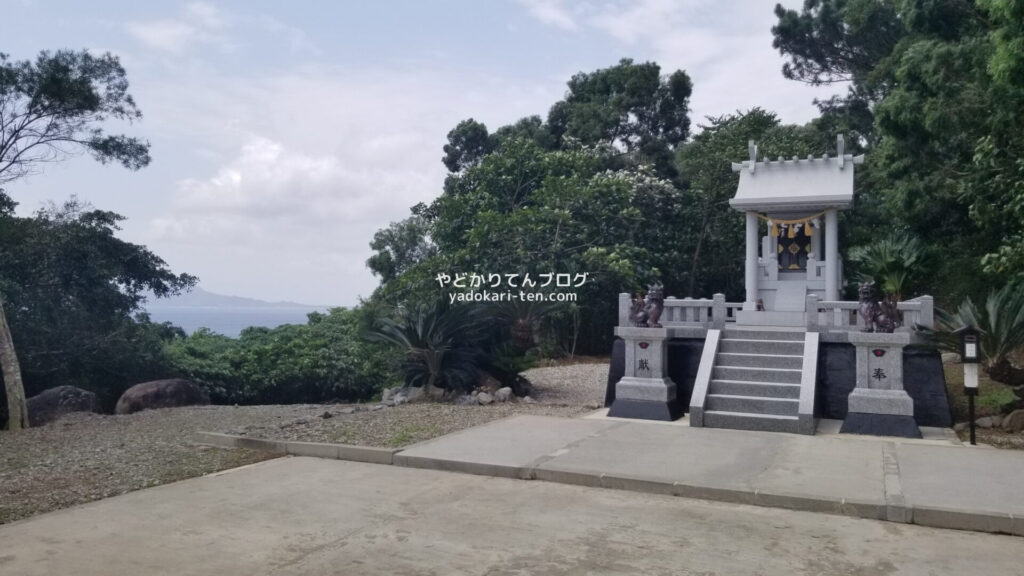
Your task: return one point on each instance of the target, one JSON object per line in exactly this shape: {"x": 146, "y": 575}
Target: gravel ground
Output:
{"x": 85, "y": 457}
{"x": 994, "y": 437}
{"x": 561, "y": 391}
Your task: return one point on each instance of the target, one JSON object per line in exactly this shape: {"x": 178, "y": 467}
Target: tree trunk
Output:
{"x": 17, "y": 408}
{"x": 696, "y": 256}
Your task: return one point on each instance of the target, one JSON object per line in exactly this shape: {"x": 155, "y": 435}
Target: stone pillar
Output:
{"x": 625, "y": 304}
{"x": 879, "y": 405}
{"x": 718, "y": 311}
{"x": 751, "y": 277}
{"x": 816, "y": 243}
{"x": 645, "y": 391}
{"x": 831, "y": 255}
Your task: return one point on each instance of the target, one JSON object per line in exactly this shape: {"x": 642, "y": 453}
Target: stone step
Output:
{"x": 763, "y": 389}
{"x": 751, "y": 374}
{"x": 755, "y": 334}
{"x": 757, "y": 405}
{"x": 747, "y": 346}
{"x": 743, "y": 421}
{"x": 794, "y": 362}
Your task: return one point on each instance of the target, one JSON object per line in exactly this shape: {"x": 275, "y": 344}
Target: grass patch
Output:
{"x": 341, "y": 436}
{"x": 413, "y": 433}
{"x": 992, "y": 395}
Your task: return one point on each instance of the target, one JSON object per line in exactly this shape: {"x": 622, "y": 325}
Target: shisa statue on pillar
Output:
{"x": 878, "y": 316}
{"x": 646, "y": 312}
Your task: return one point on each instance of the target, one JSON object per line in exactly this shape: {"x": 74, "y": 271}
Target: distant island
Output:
{"x": 199, "y": 298}
{"x": 224, "y": 314}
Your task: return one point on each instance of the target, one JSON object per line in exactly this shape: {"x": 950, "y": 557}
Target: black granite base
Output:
{"x": 646, "y": 410}
{"x": 880, "y": 425}
{"x": 923, "y": 379}
{"x": 616, "y": 370}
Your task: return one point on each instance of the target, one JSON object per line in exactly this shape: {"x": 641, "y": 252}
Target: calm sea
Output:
{"x": 228, "y": 321}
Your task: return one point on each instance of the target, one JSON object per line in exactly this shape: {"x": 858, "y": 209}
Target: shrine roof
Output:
{"x": 795, "y": 184}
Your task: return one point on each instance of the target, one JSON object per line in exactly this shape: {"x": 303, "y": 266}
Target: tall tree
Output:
{"x": 630, "y": 105}
{"x": 50, "y": 109}
{"x": 73, "y": 287}
{"x": 941, "y": 84}
{"x": 399, "y": 247}
{"x": 841, "y": 41}
{"x": 714, "y": 264}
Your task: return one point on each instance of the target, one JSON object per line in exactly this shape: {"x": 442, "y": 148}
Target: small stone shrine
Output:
{"x": 792, "y": 352}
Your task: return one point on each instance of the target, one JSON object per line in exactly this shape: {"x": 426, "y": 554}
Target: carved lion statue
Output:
{"x": 878, "y": 316}
{"x": 646, "y": 312}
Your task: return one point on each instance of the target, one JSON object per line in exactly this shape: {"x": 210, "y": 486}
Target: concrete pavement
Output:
{"x": 931, "y": 483}
{"x": 308, "y": 516}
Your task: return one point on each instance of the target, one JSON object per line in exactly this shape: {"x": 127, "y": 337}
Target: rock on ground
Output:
{"x": 1014, "y": 421}
{"x": 49, "y": 405}
{"x": 161, "y": 394}
{"x": 989, "y": 422}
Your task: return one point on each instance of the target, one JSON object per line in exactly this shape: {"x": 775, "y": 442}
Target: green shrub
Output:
{"x": 323, "y": 360}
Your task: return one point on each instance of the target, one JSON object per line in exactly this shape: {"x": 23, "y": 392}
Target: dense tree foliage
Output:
{"x": 713, "y": 263}
{"x": 72, "y": 290}
{"x": 50, "y": 109}
{"x": 54, "y": 106}
{"x": 328, "y": 358}
{"x": 937, "y": 94}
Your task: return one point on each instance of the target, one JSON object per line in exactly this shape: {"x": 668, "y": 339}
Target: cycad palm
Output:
{"x": 441, "y": 343}
{"x": 891, "y": 262}
{"x": 1001, "y": 322}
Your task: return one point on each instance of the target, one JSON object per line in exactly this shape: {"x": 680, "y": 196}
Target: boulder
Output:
{"x": 433, "y": 392}
{"x": 950, "y": 358}
{"x": 488, "y": 383}
{"x": 529, "y": 400}
{"x": 161, "y": 394}
{"x": 988, "y": 422}
{"x": 51, "y": 404}
{"x": 523, "y": 387}
{"x": 465, "y": 400}
{"x": 1014, "y": 421}
{"x": 961, "y": 426}
{"x": 484, "y": 398}
{"x": 415, "y": 395}
{"x": 503, "y": 394}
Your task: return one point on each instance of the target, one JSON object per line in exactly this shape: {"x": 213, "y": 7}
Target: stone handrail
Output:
{"x": 843, "y": 316}
{"x": 696, "y": 312}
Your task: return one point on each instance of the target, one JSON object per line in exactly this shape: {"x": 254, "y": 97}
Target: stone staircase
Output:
{"x": 755, "y": 381}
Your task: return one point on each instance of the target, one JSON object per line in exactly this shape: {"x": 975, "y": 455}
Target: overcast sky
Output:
{"x": 284, "y": 134}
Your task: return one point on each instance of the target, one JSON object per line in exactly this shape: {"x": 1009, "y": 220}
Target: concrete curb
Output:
{"x": 313, "y": 449}
{"x": 893, "y": 509}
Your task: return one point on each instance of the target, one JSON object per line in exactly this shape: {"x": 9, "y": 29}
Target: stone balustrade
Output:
{"x": 688, "y": 312}
{"x": 843, "y": 316}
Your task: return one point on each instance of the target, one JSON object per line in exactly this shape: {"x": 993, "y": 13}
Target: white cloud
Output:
{"x": 207, "y": 15}
{"x": 725, "y": 47}
{"x": 167, "y": 35}
{"x": 310, "y": 165}
{"x": 551, "y": 12}
{"x": 199, "y": 24}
